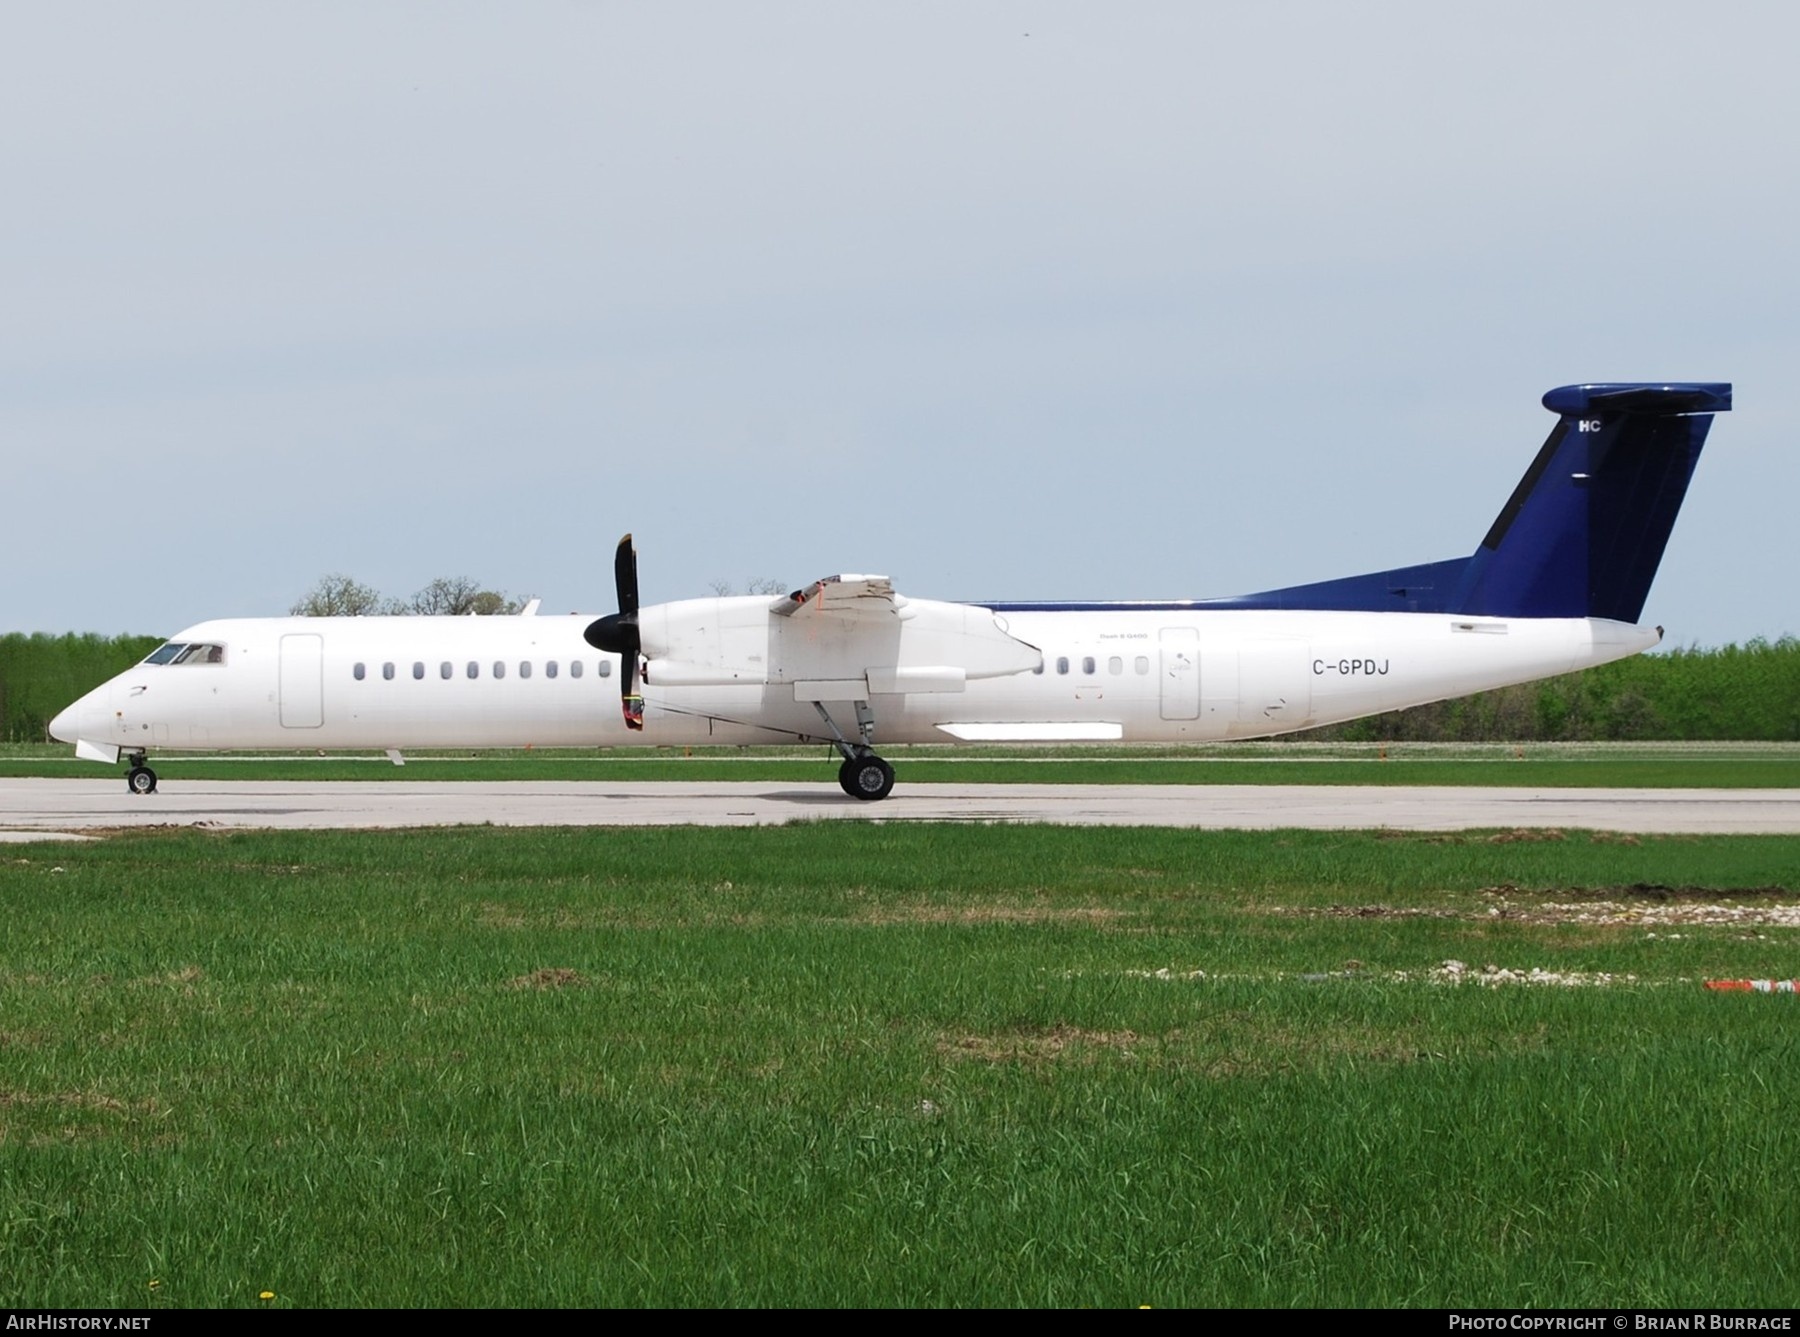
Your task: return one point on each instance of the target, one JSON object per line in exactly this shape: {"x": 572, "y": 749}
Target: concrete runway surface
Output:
{"x": 39, "y": 808}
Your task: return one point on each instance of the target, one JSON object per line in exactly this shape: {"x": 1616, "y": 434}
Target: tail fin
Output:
{"x": 1583, "y": 532}
{"x": 1585, "y": 529}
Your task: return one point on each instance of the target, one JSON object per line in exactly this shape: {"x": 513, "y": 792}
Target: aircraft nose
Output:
{"x": 62, "y": 728}
{"x": 86, "y": 718}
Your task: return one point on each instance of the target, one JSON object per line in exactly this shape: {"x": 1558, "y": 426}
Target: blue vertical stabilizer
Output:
{"x": 1583, "y": 532}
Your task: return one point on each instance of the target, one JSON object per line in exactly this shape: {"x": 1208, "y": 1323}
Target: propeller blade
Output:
{"x": 629, "y": 700}
{"x": 625, "y": 578}
{"x": 617, "y": 633}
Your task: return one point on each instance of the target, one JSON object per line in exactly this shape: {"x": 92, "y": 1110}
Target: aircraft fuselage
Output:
{"x": 1133, "y": 676}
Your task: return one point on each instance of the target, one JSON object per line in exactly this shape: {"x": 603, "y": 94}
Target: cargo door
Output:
{"x": 1180, "y": 673}
{"x": 1274, "y": 685}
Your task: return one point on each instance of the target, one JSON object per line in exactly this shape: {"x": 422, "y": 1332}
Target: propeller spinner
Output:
{"x": 617, "y": 633}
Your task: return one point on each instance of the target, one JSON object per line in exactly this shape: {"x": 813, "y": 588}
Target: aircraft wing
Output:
{"x": 842, "y": 638}
{"x": 846, "y": 598}
{"x": 847, "y": 636}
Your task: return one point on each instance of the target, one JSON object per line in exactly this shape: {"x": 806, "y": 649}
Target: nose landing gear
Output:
{"x": 140, "y": 779}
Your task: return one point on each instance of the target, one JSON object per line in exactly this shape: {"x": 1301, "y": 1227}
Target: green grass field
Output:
{"x": 1578, "y": 765}
{"x": 841, "y": 1064}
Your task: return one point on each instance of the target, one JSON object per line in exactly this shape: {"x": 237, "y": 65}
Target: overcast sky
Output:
{"x": 1006, "y": 300}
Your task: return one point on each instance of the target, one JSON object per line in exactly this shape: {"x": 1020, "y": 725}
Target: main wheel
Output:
{"x": 867, "y": 777}
{"x": 141, "y": 780}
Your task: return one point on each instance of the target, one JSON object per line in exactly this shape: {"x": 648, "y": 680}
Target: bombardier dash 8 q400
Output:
{"x": 1557, "y": 584}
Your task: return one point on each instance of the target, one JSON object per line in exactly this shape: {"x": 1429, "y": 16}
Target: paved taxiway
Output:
{"x": 31, "y": 807}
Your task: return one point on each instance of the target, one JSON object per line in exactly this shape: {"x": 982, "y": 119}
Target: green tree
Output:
{"x": 488, "y": 603}
{"x": 756, "y": 585}
{"x": 40, "y": 674}
{"x": 456, "y": 596}
{"x": 336, "y": 595}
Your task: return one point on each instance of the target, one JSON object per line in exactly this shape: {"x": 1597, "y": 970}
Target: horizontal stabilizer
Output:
{"x": 1641, "y": 397}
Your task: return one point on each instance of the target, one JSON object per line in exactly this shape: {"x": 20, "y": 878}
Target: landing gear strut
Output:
{"x": 140, "y": 779}
{"x": 863, "y": 775}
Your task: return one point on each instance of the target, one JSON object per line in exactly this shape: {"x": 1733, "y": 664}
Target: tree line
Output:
{"x": 40, "y": 674}
{"x": 338, "y": 595}
{"x": 1747, "y": 692}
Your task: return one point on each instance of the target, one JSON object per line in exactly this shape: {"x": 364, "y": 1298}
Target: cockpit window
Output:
{"x": 180, "y": 652}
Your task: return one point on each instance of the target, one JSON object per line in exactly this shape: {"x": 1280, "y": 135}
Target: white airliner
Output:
{"x": 1557, "y": 584}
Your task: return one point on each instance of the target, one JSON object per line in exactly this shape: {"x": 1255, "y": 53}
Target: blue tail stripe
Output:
{"x": 1428, "y": 588}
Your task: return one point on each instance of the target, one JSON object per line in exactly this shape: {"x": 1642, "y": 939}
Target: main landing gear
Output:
{"x": 863, "y": 775}
{"x": 140, "y": 779}
{"x": 866, "y": 777}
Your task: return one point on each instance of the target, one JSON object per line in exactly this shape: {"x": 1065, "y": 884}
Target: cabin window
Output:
{"x": 550, "y": 669}
{"x": 1141, "y": 664}
{"x": 1062, "y": 663}
{"x": 358, "y": 672}
{"x": 1038, "y": 668}
{"x": 499, "y": 668}
{"x": 605, "y": 668}
{"x": 1115, "y": 666}
{"x": 445, "y": 669}
{"x": 419, "y": 669}
{"x": 524, "y": 668}
{"x": 1087, "y": 665}
{"x": 574, "y": 668}
{"x": 474, "y": 669}
{"x": 166, "y": 653}
{"x": 387, "y": 671}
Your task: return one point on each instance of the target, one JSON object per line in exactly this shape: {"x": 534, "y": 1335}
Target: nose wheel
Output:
{"x": 140, "y": 779}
